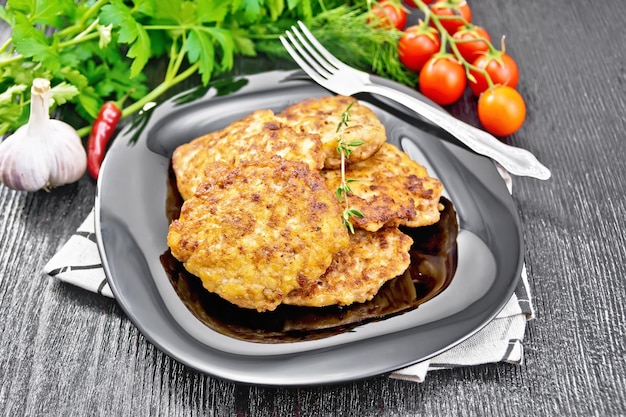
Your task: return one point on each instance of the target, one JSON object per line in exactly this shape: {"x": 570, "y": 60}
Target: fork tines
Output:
{"x": 308, "y": 53}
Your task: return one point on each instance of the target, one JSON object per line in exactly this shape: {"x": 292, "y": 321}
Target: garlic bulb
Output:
{"x": 45, "y": 152}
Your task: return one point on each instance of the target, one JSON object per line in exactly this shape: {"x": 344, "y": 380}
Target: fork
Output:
{"x": 334, "y": 75}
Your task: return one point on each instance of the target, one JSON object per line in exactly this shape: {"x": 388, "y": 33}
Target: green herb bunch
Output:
{"x": 95, "y": 51}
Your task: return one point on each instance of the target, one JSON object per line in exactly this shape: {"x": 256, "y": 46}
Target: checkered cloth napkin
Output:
{"x": 78, "y": 263}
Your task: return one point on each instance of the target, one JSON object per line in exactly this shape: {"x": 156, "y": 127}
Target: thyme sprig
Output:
{"x": 345, "y": 149}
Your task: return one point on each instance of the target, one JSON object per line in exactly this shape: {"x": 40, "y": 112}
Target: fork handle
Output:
{"x": 516, "y": 160}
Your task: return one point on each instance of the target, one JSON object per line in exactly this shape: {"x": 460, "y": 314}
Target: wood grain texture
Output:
{"x": 66, "y": 352}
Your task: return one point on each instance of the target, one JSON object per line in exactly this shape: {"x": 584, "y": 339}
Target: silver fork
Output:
{"x": 334, "y": 75}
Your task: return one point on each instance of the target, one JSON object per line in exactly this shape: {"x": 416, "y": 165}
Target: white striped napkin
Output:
{"x": 78, "y": 263}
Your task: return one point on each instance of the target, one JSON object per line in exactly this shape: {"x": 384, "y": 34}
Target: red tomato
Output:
{"x": 411, "y": 3}
{"x": 470, "y": 50}
{"x": 501, "y": 110}
{"x": 442, "y": 79}
{"x": 416, "y": 45}
{"x": 501, "y": 68}
{"x": 457, "y": 8}
{"x": 390, "y": 14}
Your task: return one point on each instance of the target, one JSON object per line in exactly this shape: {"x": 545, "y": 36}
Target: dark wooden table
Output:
{"x": 67, "y": 352}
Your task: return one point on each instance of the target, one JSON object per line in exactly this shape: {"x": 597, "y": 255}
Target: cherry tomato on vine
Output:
{"x": 458, "y": 8}
{"x": 390, "y": 14}
{"x": 416, "y": 45}
{"x": 501, "y": 110}
{"x": 411, "y": 3}
{"x": 442, "y": 79}
{"x": 502, "y": 69}
{"x": 470, "y": 50}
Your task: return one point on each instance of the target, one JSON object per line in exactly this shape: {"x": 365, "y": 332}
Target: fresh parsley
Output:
{"x": 95, "y": 51}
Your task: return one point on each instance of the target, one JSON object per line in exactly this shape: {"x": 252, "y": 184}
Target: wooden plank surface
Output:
{"x": 66, "y": 352}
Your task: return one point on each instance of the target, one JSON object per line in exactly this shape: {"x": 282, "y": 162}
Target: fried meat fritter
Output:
{"x": 259, "y": 230}
{"x": 257, "y": 136}
{"x": 261, "y": 224}
{"x": 322, "y": 116}
{"x": 390, "y": 190}
{"x": 357, "y": 272}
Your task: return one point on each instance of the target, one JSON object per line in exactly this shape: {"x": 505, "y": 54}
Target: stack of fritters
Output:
{"x": 261, "y": 224}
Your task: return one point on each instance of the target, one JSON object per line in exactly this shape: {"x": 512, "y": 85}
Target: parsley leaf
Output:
{"x": 199, "y": 47}
{"x": 140, "y": 51}
{"x": 275, "y": 7}
{"x": 227, "y": 44}
{"x": 130, "y": 32}
{"x": 242, "y": 43}
{"x": 32, "y": 48}
{"x": 211, "y": 11}
{"x": 63, "y": 92}
{"x": 169, "y": 11}
{"x": 5, "y": 15}
{"x": 10, "y": 108}
{"x": 251, "y": 9}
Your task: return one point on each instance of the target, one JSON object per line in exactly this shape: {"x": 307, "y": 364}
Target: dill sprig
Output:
{"x": 349, "y": 35}
{"x": 345, "y": 149}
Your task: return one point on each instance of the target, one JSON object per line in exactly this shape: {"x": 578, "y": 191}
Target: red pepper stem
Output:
{"x": 120, "y": 103}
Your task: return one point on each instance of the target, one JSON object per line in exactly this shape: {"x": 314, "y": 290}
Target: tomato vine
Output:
{"x": 461, "y": 42}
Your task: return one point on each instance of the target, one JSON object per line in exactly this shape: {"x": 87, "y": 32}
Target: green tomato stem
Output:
{"x": 457, "y": 41}
{"x": 455, "y": 17}
{"x": 446, "y": 38}
{"x": 444, "y": 43}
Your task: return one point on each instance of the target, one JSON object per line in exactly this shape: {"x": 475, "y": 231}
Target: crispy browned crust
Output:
{"x": 255, "y": 232}
{"x": 391, "y": 190}
{"x": 261, "y": 224}
{"x": 255, "y": 137}
{"x": 357, "y": 272}
{"x": 322, "y": 116}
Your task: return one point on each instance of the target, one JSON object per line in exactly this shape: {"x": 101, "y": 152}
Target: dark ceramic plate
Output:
{"x": 131, "y": 224}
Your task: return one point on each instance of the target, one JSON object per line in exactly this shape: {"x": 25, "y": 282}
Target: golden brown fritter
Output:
{"x": 255, "y": 232}
{"x": 257, "y": 136}
{"x": 261, "y": 224}
{"x": 357, "y": 272}
{"x": 322, "y": 116}
{"x": 391, "y": 190}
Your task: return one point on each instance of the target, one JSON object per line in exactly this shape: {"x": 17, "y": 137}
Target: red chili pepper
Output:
{"x": 101, "y": 132}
